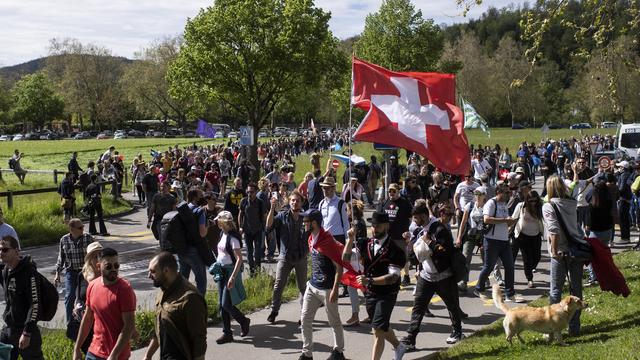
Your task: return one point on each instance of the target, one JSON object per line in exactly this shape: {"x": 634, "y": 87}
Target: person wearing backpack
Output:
{"x": 561, "y": 226}
{"x": 625, "y": 179}
{"x": 470, "y": 231}
{"x": 190, "y": 259}
{"x": 23, "y": 304}
{"x": 251, "y": 219}
{"x": 14, "y": 163}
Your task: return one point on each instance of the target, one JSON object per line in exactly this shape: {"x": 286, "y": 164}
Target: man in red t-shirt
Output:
{"x": 110, "y": 309}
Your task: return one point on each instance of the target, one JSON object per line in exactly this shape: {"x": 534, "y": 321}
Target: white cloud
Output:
{"x": 125, "y": 26}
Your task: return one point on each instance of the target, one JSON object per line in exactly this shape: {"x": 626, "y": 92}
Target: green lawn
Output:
{"x": 610, "y": 328}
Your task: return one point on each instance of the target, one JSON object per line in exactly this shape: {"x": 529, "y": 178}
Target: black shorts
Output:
{"x": 379, "y": 309}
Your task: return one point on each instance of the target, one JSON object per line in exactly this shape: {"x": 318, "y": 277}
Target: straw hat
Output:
{"x": 92, "y": 248}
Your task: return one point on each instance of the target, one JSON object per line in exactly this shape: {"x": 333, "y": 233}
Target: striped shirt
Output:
{"x": 72, "y": 252}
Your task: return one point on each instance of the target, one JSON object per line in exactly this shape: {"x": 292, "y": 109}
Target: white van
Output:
{"x": 629, "y": 139}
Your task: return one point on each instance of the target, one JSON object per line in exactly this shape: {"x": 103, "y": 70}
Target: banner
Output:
{"x": 205, "y": 130}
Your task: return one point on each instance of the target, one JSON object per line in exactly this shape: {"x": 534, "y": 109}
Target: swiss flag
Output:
{"x": 414, "y": 111}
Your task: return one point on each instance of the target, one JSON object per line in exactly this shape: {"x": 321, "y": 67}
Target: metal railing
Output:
{"x": 10, "y": 194}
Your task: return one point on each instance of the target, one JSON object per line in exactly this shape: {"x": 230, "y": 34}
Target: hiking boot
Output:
{"x": 272, "y": 317}
{"x": 455, "y": 336}
{"x": 399, "y": 351}
{"x": 336, "y": 355}
{"x": 225, "y": 338}
{"x": 409, "y": 343}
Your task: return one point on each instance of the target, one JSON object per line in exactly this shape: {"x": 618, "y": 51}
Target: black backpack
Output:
{"x": 12, "y": 163}
{"x": 48, "y": 301}
{"x": 179, "y": 228}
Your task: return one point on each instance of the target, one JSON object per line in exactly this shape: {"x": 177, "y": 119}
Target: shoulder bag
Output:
{"x": 577, "y": 249}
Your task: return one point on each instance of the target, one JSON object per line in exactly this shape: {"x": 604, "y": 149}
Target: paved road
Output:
{"x": 283, "y": 339}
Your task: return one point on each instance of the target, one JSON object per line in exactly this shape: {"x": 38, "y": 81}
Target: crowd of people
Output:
{"x": 421, "y": 217}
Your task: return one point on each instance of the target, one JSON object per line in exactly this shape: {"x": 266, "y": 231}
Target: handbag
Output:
{"x": 577, "y": 249}
{"x": 66, "y": 203}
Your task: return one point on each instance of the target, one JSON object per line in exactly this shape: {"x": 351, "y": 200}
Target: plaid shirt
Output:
{"x": 72, "y": 252}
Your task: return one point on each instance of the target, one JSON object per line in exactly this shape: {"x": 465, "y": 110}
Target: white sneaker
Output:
{"x": 508, "y": 299}
{"x": 399, "y": 351}
{"x": 519, "y": 299}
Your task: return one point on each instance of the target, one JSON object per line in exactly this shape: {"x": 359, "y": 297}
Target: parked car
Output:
{"x": 555, "y": 126}
{"x": 190, "y": 134}
{"x": 103, "y": 136}
{"x": 82, "y": 135}
{"x": 580, "y": 126}
{"x": 293, "y": 133}
{"x": 262, "y": 134}
{"x": 32, "y": 136}
{"x": 232, "y": 135}
{"x": 49, "y": 136}
{"x": 18, "y": 137}
{"x": 608, "y": 124}
{"x": 135, "y": 133}
{"x": 218, "y": 135}
{"x": 157, "y": 134}
{"x": 6, "y": 137}
{"x": 517, "y": 126}
{"x": 120, "y": 135}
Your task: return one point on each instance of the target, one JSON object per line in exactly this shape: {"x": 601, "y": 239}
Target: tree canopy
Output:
{"x": 35, "y": 101}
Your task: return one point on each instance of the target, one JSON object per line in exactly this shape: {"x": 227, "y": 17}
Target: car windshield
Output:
{"x": 631, "y": 140}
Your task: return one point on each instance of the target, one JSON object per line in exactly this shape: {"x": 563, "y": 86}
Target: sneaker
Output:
{"x": 531, "y": 285}
{"x": 508, "y": 299}
{"x": 501, "y": 283}
{"x": 534, "y": 271}
{"x": 455, "y": 337}
{"x": 225, "y": 338}
{"x": 406, "y": 281}
{"x": 409, "y": 343}
{"x": 462, "y": 286}
{"x": 637, "y": 247}
{"x": 479, "y": 294}
{"x": 399, "y": 351}
{"x": 305, "y": 357}
{"x": 366, "y": 320}
{"x": 336, "y": 355}
{"x": 272, "y": 317}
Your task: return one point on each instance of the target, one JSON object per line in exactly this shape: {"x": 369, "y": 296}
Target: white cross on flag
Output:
{"x": 411, "y": 110}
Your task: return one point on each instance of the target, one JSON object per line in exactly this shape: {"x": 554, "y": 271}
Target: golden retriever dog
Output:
{"x": 551, "y": 319}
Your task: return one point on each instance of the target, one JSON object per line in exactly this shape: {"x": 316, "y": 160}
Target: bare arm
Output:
{"x": 152, "y": 348}
{"x": 333, "y": 296}
{"x": 129, "y": 320}
{"x": 85, "y": 325}
{"x": 463, "y": 227}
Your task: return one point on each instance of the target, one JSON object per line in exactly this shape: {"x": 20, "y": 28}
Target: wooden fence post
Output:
{"x": 10, "y": 200}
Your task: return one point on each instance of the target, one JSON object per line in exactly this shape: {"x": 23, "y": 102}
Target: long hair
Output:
{"x": 533, "y": 204}
{"x": 601, "y": 197}
{"x": 556, "y": 188}
{"x": 88, "y": 272}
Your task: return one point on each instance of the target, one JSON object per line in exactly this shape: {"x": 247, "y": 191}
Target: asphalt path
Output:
{"x": 283, "y": 340}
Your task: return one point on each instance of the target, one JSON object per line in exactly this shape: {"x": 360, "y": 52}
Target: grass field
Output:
{"x": 610, "y": 328}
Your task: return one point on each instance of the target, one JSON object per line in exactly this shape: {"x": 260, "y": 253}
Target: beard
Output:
{"x": 157, "y": 283}
{"x": 110, "y": 275}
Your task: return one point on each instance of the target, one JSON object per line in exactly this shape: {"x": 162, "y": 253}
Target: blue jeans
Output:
{"x": 70, "y": 287}
{"x": 559, "y": 269}
{"x": 90, "y": 356}
{"x": 254, "y": 249}
{"x": 227, "y": 309}
{"x": 494, "y": 249}
{"x": 190, "y": 260}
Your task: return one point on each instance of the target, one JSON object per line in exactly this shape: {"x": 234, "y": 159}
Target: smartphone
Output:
{"x": 274, "y": 194}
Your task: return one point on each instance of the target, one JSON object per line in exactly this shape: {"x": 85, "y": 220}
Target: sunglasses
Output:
{"x": 115, "y": 266}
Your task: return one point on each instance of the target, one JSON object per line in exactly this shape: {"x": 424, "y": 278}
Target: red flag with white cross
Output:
{"x": 414, "y": 111}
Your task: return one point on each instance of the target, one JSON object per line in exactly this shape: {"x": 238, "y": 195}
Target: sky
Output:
{"x": 126, "y": 26}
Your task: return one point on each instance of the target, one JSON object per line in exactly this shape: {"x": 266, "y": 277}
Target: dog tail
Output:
{"x": 497, "y": 298}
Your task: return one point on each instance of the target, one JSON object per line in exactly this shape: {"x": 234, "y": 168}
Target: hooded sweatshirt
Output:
{"x": 567, "y": 209}
{"x": 22, "y": 294}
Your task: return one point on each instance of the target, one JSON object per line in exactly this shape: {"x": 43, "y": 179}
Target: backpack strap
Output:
{"x": 340, "y": 204}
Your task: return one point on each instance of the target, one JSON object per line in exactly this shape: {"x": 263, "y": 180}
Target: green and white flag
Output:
{"x": 473, "y": 120}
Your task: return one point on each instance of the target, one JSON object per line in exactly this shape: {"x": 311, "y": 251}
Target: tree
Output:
{"x": 35, "y": 101}
{"x": 146, "y": 85}
{"x": 398, "y": 38}
{"x": 89, "y": 79}
{"x": 249, "y": 54}
{"x": 5, "y": 103}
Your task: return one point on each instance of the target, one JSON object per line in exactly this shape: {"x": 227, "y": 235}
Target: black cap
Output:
{"x": 379, "y": 218}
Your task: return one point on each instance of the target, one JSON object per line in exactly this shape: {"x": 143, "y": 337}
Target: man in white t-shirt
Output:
{"x": 480, "y": 166}
{"x": 464, "y": 195}
{"x": 496, "y": 242}
{"x": 7, "y": 230}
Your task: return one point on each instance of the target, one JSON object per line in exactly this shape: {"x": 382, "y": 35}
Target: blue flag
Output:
{"x": 204, "y": 129}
